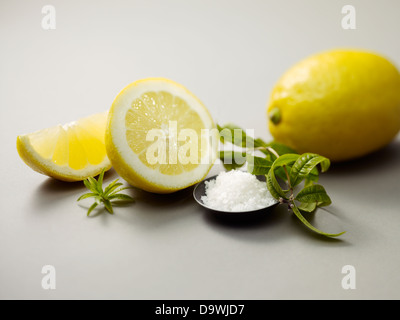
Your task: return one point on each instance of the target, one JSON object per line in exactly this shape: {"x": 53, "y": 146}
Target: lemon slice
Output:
{"x": 160, "y": 137}
{"x": 70, "y": 152}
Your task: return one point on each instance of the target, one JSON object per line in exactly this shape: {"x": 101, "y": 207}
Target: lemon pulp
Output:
{"x": 69, "y": 152}
{"x": 157, "y": 136}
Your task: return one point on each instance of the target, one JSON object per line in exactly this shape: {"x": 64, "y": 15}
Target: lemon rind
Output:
{"x": 138, "y": 174}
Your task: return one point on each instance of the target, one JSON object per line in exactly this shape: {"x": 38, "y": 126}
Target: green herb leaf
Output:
{"x": 280, "y": 148}
{"x": 108, "y": 206}
{"x": 236, "y": 135}
{"x": 118, "y": 191}
{"x": 111, "y": 187}
{"x": 111, "y": 193}
{"x": 94, "y": 184}
{"x": 232, "y": 159}
{"x": 285, "y": 159}
{"x": 100, "y": 180}
{"x": 260, "y": 143}
{"x": 87, "y": 195}
{"x": 315, "y": 193}
{"x": 273, "y": 186}
{"x": 281, "y": 173}
{"x": 308, "y": 207}
{"x": 310, "y": 226}
{"x": 312, "y": 177}
{"x": 88, "y": 185}
{"x": 305, "y": 165}
{"x": 94, "y": 205}
{"x": 258, "y": 165}
{"x": 122, "y": 197}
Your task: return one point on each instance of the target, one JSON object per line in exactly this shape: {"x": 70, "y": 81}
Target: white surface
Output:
{"x": 229, "y": 53}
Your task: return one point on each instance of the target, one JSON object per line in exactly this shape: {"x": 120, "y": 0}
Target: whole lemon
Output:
{"x": 341, "y": 104}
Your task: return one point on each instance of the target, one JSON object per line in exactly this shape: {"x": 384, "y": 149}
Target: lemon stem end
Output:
{"x": 275, "y": 116}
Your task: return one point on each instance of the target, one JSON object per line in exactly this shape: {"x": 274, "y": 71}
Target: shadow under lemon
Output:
{"x": 51, "y": 192}
{"x": 386, "y": 158}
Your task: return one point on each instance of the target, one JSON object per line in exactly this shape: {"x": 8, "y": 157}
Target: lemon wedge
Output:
{"x": 159, "y": 136}
{"x": 69, "y": 152}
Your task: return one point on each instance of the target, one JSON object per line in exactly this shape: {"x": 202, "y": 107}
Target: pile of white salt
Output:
{"x": 236, "y": 190}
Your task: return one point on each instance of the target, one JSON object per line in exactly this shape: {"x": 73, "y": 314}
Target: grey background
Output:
{"x": 230, "y": 54}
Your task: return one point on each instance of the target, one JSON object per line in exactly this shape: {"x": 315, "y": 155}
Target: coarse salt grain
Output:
{"x": 236, "y": 190}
